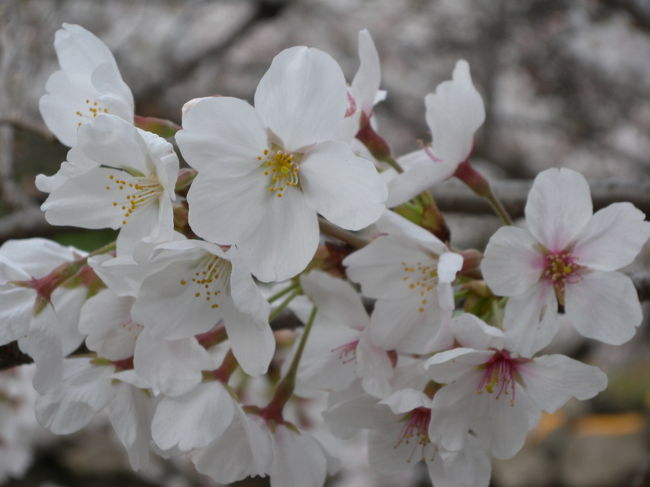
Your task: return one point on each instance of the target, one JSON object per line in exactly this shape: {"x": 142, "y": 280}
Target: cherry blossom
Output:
{"x": 340, "y": 348}
{"x": 453, "y": 113}
{"x": 498, "y": 393}
{"x": 88, "y": 84}
{"x": 265, "y": 172}
{"x": 568, "y": 256}
{"x": 131, "y": 187}
{"x": 212, "y": 286}
{"x": 409, "y": 271}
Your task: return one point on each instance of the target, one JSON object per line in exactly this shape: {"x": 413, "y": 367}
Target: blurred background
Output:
{"x": 565, "y": 83}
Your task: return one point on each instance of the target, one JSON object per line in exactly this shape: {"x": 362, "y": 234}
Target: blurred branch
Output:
{"x": 27, "y": 222}
{"x": 27, "y": 126}
{"x": 453, "y": 196}
{"x": 177, "y": 72}
{"x": 640, "y": 14}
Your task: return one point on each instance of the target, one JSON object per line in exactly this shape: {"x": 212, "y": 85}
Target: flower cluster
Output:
{"x": 184, "y": 315}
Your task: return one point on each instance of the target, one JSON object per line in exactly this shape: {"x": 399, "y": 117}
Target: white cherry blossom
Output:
{"x": 409, "y": 271}
{"x": 566, "y": 255}
{"x": 200, "y": 286}
{"x": 131, "y": 187}
{"x": 42, "y": 317}
{"x": 265, "y": 172}
{"x": 88, "y": 84}
{"x": 339, "y": 349}
{"x": 453, "y": 113}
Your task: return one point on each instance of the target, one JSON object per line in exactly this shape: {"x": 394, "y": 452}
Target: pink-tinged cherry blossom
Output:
{"x": 34, "y": 310}
{"x": 131, "y": 186}
{"x": 88, "y": 84}
{"x": 496, "y": 391}
{"x": 398, "y": 437}
{"x": 410, "y": 272}
{"x": 453, "y": 113}
{"x": 339, "y": 349}
{"x": 568, "y": 256}
{"x": 265, "y": 172}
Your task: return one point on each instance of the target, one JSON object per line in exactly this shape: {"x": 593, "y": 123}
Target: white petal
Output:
{"x": 558, "y": 207}
{"x": 470, "y": 331}
{"x": 85, "y": 391}
{"x": 530, "y": 321}
{"x": 113, "y": 142}
{"x": 454, "y": 112}
{"x": 387, "y": 454}
{"x": 43, "y": 344}
{"x": 613, "y": 237}
{"x": 551, "y": 380}
{"x": 130, "y": 413}
{"x": 604, "y": 306}
{"x": 335, "y": 298}
{"x": 379, "y": 267}
{"x": 285, "y": 240}
{"x": 448, "y": 366}
{"x": 169, "y": 295}
{"x": 449, "y": 264}
{"x": 223, "y": 136}
{"x": 192, "y": 420}
{"x": 365, "y": 84}
{"x": 396, "y": 225}
{"x": 252, "y": 341}
{"x": 298, "y": 460}
{"x": 302, "y": 97}
{"x": 85, "y": 202}
{"x": 343, "y": 187}
{"x": 420, "y": 174}
{"x": 106, "y": 319}
{"x": 225, "y": 211}
{"x": 37, "y": 256}
{"x": 469, "y": 467}
{"x": 374, "y": 367}
{"x": 79, "y": 51}
{"x": 246, "y": 296}
{"x": 16, "y": 310}
{"x": 405, "y": 400}
{"x": 512, "y": 263}
{"x": 244, "y": 450}
{"x": 181, "y": 370}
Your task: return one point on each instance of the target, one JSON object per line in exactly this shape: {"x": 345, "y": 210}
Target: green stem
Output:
{"x": 286, "y": 290}
{"x": 284, "y": 390}
{"x": 498, "y": 207}
{"x": 276, "y": 312}
{"x": 103, "y": 250}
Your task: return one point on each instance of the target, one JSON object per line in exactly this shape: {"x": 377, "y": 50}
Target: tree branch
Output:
{"x": 453, "y": 196}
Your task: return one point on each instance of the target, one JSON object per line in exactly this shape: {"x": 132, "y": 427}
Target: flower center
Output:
{"x": 90, "y": 111}
{"x": 500, "y": 374}
{"x": 422, "y": 278}
{"x": 347, "y": 352}
{"x": 282, "y": 170}
{"x": 416, "y": 429}
{"x": 133, "y": 194}
{"x": 210, "y": 279}
{"x": 560, "y": 268}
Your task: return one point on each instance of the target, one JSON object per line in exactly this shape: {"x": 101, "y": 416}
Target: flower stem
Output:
{"x": 481, "y": 186}
{"x": 103, "y": 250}
{"x": 276, "y": 312}
{"x": 284, "y": 390}
{"x": 286, "y": 290}
{"x": 343, "y": 235}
